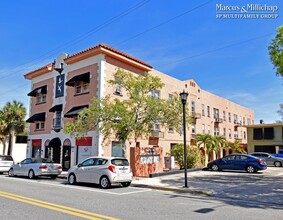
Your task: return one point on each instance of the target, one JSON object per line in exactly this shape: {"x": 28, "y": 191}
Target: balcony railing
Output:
{"x": 218, "y": 120}
{"x": 195, "y": 115}
{"x": 157, "y": 133}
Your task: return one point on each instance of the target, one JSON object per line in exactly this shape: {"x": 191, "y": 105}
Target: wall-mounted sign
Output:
{"x": 59, "y": 90}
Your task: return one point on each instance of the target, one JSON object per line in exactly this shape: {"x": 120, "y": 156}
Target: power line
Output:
{"x": 81, "y": 37}
{"x": 218, "y": 49}
{"x": 165, "y": 22}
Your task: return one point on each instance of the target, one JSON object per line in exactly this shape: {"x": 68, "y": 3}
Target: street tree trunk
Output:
{"x": 11, "y": 142}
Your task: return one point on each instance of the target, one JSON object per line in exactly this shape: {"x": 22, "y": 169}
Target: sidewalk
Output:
{"x": 168, "y": 181}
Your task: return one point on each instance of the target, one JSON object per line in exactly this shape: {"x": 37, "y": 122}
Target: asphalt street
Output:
{"x": 234, "y": 195}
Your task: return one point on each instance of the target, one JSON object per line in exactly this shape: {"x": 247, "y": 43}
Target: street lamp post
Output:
{"x": 183, "y": 97}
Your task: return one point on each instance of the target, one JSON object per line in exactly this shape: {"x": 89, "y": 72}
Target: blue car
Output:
{"x": 238, "y": 162}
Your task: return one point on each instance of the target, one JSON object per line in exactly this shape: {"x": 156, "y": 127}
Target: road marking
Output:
{"x": 56, "y": 207}
{"x": 140, "y": 190}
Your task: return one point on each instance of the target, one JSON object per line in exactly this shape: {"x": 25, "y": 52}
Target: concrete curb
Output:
{"x": 174, "y": 189}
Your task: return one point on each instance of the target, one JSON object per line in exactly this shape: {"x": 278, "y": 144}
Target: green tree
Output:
{"x": 276, "y": 51}
{"x": 219, "y": 143}
{"x": 132, "y": 116}
{"x": 193, "y": 156}
{"x": 205, "y": 141}
{"x": 3, "y": 131}
{"x": 13, "y": 115}
{"x": 236, "y": 147}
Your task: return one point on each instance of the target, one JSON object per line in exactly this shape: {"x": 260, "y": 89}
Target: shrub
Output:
{"x": 194, "y": 157}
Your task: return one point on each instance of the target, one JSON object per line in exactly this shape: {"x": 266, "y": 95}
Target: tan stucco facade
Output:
{"x": 102, "y": 62}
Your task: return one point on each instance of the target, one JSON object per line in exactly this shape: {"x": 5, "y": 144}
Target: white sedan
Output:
{"x": 103, "y": 171}
{"x": 33, "y": 167}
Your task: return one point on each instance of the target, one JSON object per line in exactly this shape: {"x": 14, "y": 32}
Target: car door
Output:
{"x": 228, "y": 162}
{"x": 268, "y": 160}
{"x": 240, "y": 162}
{"x": 84, "y": 170}
{"x": 98, "y": 169}
{"x": 23, "y": 167}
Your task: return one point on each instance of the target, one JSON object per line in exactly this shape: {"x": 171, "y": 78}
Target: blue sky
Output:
{"x": 227, "y": 57}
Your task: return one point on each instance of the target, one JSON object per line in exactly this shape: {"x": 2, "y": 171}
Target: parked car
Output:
{"x": 238, "y": 162}
{"x": 103, "y": 171}
{"x": 6, "y": 162}
{"x": 269, "y": 158}
{"x": 279, "y": 153}
{"x": 34, "y": 167}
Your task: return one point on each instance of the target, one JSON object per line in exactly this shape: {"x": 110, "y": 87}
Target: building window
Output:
{"x": 216, "y": 131}
{"x": 268, "y": 133}
{"x": 245, "y": 135}
{"x": 229, "y": 133}
{"x": 229, "y": 116}
{"x": 157, "y": 126}
{"x": 154, "y": 93}
{"x": 208, "y": 111}
{"x": 171, "y": 130}
{"x": 203, "y": 128}
{"x": 224, "y": 116}
{"x": 224, "y": 132}
{"x": 236, "y": 134}
{"x": 193, "y": 128}
{"x": 170, "y": 96}
{"x": 248, "y": 121}
{"x": 81, "y": 87}
{"x": 258, "y": 134}
{"x": 40, "y": 98}
{"x": 202, "y": 110}
{"x": 193, "y": 108}
{"x": 208, "y": 129}
{"x": 57, "y": 120}
{"x": 39, "y": 125}
{"x": 240, "y": 120}
{"x": 244, "y": 121}
{"x": 215, "y": 113}
{"x": 235, "y": 118}
{"x": 118, "y": 90}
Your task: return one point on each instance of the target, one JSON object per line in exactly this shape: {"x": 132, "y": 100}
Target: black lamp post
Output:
{"x": 183, "y": 97}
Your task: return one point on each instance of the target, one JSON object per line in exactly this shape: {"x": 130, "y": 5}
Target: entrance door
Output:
{"x": 54, "y": 150}
{"x": 66, "y": 157}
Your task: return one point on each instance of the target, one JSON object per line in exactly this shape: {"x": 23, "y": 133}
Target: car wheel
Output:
{"x": 277, "y": 164}
{"x": 251, "y": 169}
{"x": 104, "y": 182}
{"x": 11, "y": 172}
{"x": 72, "y": 179}
{"x": 31, "y": 174}
{"x": 126, "y": 184}
{"x": 214, "y": 167}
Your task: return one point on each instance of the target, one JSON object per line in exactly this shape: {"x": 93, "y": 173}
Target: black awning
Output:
{"x": 56, "y": 108}
{"x": 79, "y": 78}
{"x": 36, "y": 117}
{"x": 74, "y": 111}
{"x": 42, "y": 90}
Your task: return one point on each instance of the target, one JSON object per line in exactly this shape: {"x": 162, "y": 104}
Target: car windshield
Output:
{"x": 7, "y": 158}
{"x": 120, "y": 162}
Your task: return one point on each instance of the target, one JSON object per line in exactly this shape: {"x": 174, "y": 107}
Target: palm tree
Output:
{"x": 220, "y": 143}
{"x": 205, "y": 141}
{"x": 236, "y": 147}
{"x": 3, "y": 132}
{"x": 14, "y": 114}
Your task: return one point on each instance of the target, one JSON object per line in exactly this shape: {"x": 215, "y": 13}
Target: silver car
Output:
{"x": 34, "y": 167}
{"x": 6, "y": 162}
{"x": 103, "y": 171}
{"x": 269, "y": 158}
